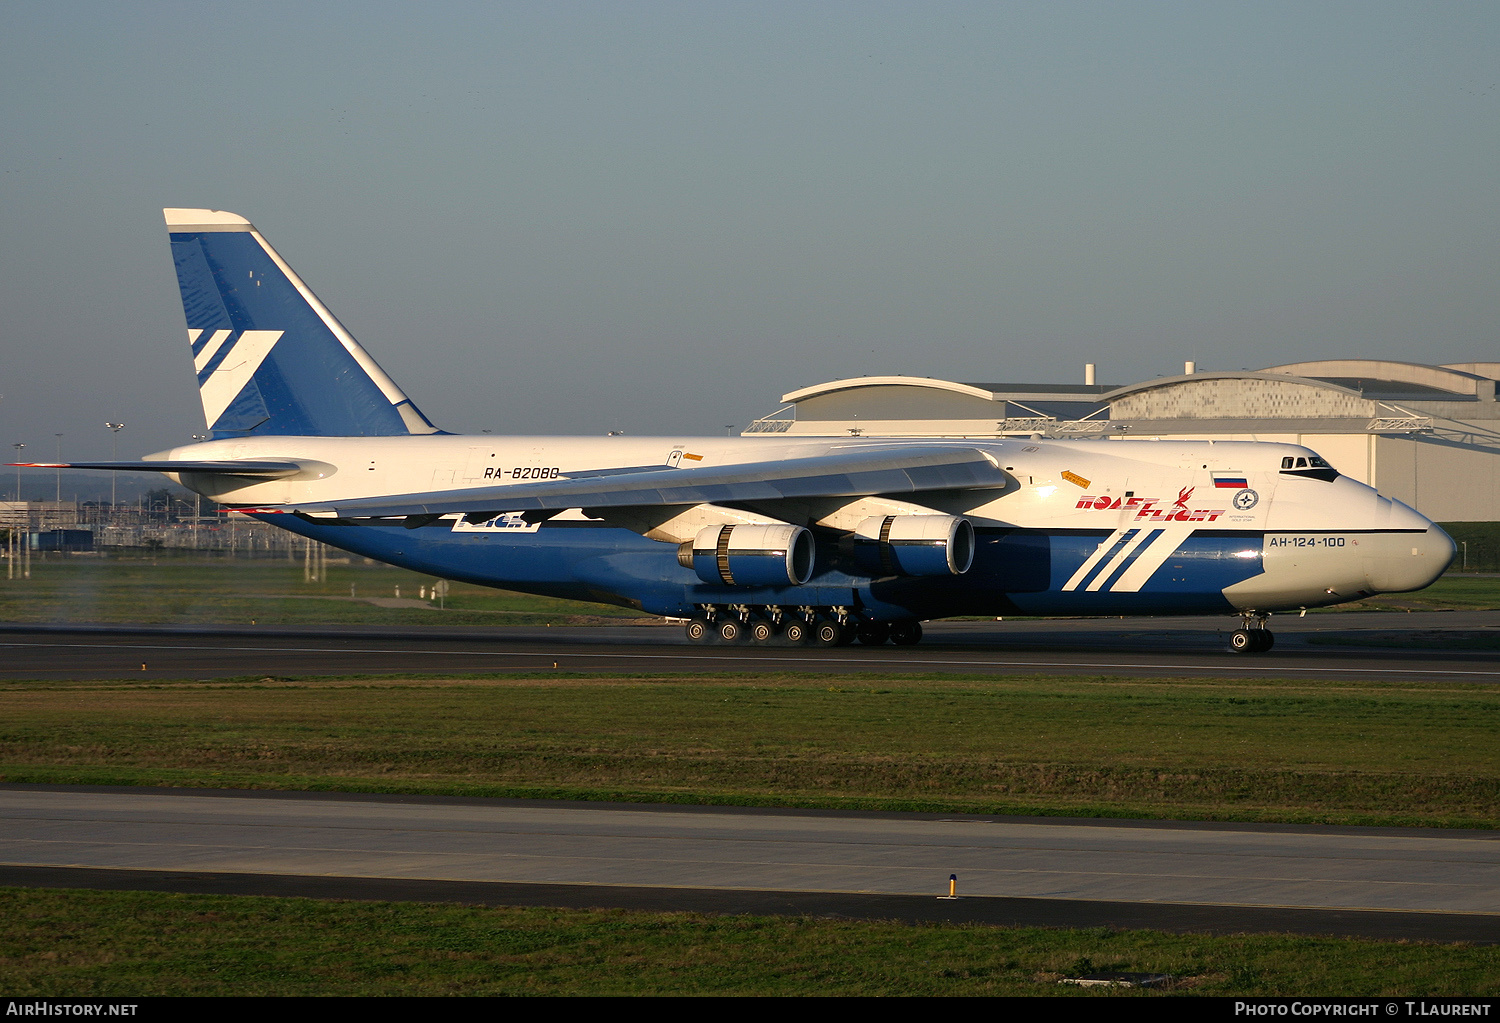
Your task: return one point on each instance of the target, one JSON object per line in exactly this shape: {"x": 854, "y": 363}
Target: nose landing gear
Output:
{"x": 1253, "y": 637}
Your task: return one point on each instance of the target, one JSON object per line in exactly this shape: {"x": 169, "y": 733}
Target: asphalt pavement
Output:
{"x": 1325, "y": 645}
{"x": 1376, "y": 882}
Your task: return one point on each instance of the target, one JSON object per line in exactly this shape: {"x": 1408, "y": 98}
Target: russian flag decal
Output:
{"x": 1230, "y": 482}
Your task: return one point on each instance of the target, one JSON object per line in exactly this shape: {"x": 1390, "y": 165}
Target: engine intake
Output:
{"x": 915, "y": 544}
{"x": 776, "y": 555}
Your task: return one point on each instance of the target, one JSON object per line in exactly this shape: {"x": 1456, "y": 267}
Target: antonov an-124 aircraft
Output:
{"x": 763, "y": 539}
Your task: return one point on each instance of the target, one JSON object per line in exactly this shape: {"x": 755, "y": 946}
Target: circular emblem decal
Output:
{"x": 1246, "y": 499}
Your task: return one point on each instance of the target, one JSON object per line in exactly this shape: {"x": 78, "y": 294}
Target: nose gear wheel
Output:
{"x": 1253, "y": 637}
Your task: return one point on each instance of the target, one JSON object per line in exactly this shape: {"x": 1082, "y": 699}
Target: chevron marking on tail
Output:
{"x": 242, "y": 357}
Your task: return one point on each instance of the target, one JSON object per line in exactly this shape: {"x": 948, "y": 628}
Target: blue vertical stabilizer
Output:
{"x": 270, "y": 358}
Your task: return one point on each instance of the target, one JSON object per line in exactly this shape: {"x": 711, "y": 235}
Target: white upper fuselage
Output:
{"x": 1050, "y": 477}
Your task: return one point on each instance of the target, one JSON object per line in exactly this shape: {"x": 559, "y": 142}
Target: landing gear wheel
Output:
{"x": 873, "y": 633}
{"x": 699, "y": 631}
{"x": 731, "y": 630}
{"x": 847, "y": 633}
{"x": 828, "y": 633}
{"x": 796, "y": 633}
{"x": 906, "y": 633}
{"x": 762, "y": 631}
{"x": 1251, "y": 641}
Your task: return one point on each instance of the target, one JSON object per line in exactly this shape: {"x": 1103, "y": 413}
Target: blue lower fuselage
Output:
{"x": 1015, "y": 571}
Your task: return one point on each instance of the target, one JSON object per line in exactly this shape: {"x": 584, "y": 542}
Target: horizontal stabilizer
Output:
{"x": 847, "y": 473}
{"x": 261, "y": 468}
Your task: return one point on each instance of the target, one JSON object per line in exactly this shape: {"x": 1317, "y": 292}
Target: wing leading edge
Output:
{"x": 845, "y": 474}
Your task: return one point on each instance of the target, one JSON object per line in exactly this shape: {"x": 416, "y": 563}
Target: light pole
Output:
{"x": 197, "y": 497}
{"x": 114, "y": 456}
{"x": 15, "y": 531}
{"x": 58, "y": 499}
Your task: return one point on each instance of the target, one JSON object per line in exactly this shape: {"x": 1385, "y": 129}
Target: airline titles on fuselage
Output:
{"x": 1151, "y": 508}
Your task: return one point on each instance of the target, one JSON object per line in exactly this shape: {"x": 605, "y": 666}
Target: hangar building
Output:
{"x": 1426, "y": 435}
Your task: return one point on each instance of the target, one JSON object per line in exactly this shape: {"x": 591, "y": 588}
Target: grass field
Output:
{"x": 1453, "y": 592}
{"x": 180, "y": 589}
{"x": 1340, "y": 752}
{"x": 131, "y": 944}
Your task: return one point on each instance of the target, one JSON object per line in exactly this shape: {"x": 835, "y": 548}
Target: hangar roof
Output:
{"x": 1384, "y": 378}
{"x": 986, "y": 392}
{"x": 1268, "y": 375}
{"x": 1238, "y": 395}
{"x": 1331, "y": 392}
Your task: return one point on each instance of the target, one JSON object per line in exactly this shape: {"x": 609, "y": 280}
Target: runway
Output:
{"x": 1221, "y": 877}
{"x": 1323, "y": 646}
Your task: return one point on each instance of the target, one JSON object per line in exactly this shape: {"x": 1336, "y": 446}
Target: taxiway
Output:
{"x": 1411, "y": 883}
{"x": 1332, "y": 645}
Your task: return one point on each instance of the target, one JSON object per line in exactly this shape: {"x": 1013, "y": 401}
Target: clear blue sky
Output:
{"x": 574, "y": 217}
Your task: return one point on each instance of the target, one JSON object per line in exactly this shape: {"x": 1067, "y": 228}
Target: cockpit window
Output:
{"x": 1308, "y": 467}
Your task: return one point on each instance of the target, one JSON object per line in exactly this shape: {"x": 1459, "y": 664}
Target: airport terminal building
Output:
{"x": 1425, "y": 435}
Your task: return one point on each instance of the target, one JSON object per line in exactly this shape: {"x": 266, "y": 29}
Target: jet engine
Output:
{"x": 750, "y": 555}
{"x": 915, "y": 544}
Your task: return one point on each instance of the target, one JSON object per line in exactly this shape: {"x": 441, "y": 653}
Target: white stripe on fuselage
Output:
{"x": 1119, "y": 559}
{"x": 1106, "y": 545}
{"x": 1152, "y": 558}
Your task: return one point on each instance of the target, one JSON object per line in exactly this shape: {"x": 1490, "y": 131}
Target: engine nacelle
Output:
{"x": 915, "y": 544}
{"x": 739, "y": 555}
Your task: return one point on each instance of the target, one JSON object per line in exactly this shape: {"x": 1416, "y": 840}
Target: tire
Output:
{"x": 906, "y": 633}
{"x": 847, "y": 633}
{"x": 731, "y": 630}
{"x": 796, "y": 633}
{"x": 827, "y": 633}
{"x": 874, "y": 633}
{"x": 699, "y": 631}
{"x": 762, "y": 632}
{"x": 1264, "y": 640}
{"x": 1243, "y": 642}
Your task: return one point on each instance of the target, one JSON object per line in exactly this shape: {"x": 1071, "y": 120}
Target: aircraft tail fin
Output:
{"x": 271, "y": 359}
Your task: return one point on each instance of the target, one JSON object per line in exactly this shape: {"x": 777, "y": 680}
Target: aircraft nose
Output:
{"x": 1409, "y": 561}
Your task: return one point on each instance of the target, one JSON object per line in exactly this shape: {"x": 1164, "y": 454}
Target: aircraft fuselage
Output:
{"x": 1078, "y": 527}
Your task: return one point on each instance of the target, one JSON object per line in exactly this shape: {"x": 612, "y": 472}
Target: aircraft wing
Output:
{"x": 262, "y": 467}
{"x": 851, "y": 473}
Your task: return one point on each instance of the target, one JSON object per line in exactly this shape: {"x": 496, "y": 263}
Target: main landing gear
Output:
{"x": 1253, "y": 637}
{"x": 793, "y": 626}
